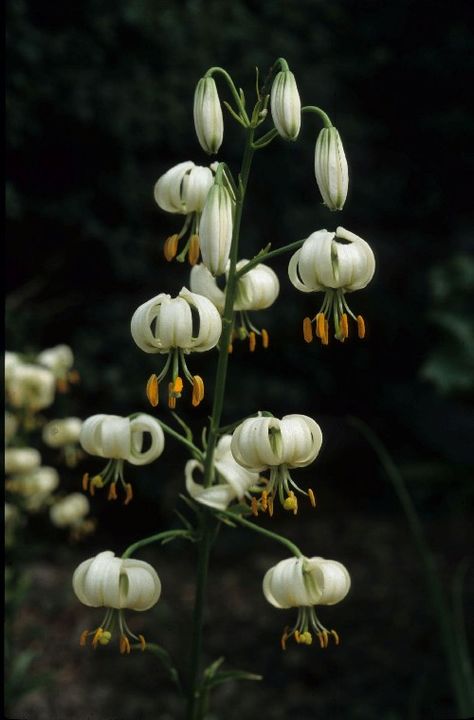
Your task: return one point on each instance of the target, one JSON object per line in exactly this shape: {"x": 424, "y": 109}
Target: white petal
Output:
{"x": 204, "y": 283}
{"x": 140, "y": 586}
{"x": 167, "y": 191}
{"x": 302, "y": 439}
{"x": 332, "y": 577}
{"x": 140, "y": 425}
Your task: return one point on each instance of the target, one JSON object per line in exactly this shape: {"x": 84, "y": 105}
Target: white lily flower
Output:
{"x": 60, "y": 361}
{"x": 21, "y": 460}
{"x": 303, "y": 583}
{"x": 35, "y": 486}
{"x": 233, "y": 481}
{"x": 208, "y": 119}
{"x": 285, "y": 105}
{"x": 117, "y": 584}
{"x": 183, "y": 189}
{"x": 215, "y": 229}
{"x": 336, "y": 264}
{"x": 119, "y": 439}
{"x": 12, "y": 360}
{"x": 256, "y": 290}
{"x": 262, "y": 443}
{"x": 30, "y": 386}
{"x": 58, "y": 433}
{"x": 175, "y": 327}
{"x": 70, "y": 510}
{"x": 330, "y": 167}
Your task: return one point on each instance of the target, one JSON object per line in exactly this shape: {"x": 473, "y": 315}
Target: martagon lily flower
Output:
{"x": 263, "y": 443}
{"x": 232, "y": 480}
{"x": 336, "y": 264}
{"x": 256, "y": 290}
{"x": 303, "y": 583}
{"x": 183, "y": 190}
{"x": 176, "y": 327}
{"x": 119, "y": 439}
{"x": 117, "y": 584}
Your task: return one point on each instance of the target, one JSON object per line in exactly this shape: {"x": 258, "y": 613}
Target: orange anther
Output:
{"x": 62, "y": 386}
{"x": 83, "y": 638}
{"x": 265, "y": 339}
{"x": 85, "y": 482}
{"x": 124, "y": 645}
{"x": 312, "y": 497}
{"x": 252, "y": 341}
{"x": 284, "y": 638}
{"x": 152, "y": 390}
{"x": 325, "y": 337}
{"x": 170, "y": 248}
{"x": 178, "y": 385}
{"x": 264, "y": 500}
{"x": 270, "y": 505}
{"x": 254, "y": 507}
{"x": 307, "y": 330}
{"x": 112, "y": 492}
{"x": 97, "y": 635}
{"x": 142, "y": 642}
{"x": 198, "y": 390}
{"x": 230, "y": 348}
{"x": 193, "y": 254}
{"x": 128, "y": 493}
{"x": 336, "y": 636}
{"x": 344, "y": 327}
{"x": 73, "y": 377}
{"x": 360, "y": 327}
{"x": 321, "y": 640}
{"x": 320, "y": 320}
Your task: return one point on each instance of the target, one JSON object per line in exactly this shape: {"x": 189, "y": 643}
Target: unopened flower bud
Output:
{"x": 285, "y": 105}
{"x": 215, "y": 230}
{"x": 330, "y": 167}
{"x": 208, "y": 119}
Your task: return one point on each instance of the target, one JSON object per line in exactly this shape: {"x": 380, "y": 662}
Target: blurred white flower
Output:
{"x": 117, "y": 584}
{"x": 336, "y": 264}
{"x": 31, "y": 387}
{"x": 70, "y": 510}
{"x": 35, "y": 486}
{"x": 60, "y": 361}
{"x": 303, "y": 583}
{"x": 58, "y": 433}
{"x": 21, "y": 460}
{"x": 208, "y": 119}
{"x": 285, "y": 105}
{"x": 119, "y": 439}
{"x": 233, "y": 481}
{"x": 261, "y": 443}
{"x": 330, "y": 167}
{"x": 175, "y": 327}
{"x": 11, "y": 426}
{"x": 12, "y": 360}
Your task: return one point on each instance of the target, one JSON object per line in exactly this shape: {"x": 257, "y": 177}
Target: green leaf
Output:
{"x": 229, "y": 676}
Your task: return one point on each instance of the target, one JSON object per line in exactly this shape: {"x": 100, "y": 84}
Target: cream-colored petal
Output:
{"x": 139, "y": 426}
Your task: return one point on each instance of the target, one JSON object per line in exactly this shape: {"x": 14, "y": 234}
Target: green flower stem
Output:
{"x": 266, "y": 139}
{"x": 207, "y": 527}
{"x": 318, "y": 111}
{"x": 235, "y": 94}
{"x": 268, "y": 533}
{"x": 282, "y": 63}
{"x": 159, "y": 537}
{"x": 459, "y": 669}
{"x": 264, "y": 256}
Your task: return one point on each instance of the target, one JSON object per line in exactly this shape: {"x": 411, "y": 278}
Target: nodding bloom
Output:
{"x": 69, "y": 510}
{"x": 60, "y": 360}
{"x": 21, "y": 460}
{"x": 176, "y": 327}
{"x": 335, "y": 264}
{"x": 116, "y": 584}
{"x": 64, "y": 434}
{"x": 256, "y": 290}
{"x": 285, "y": 105}
{"x": 34, "y": 487}
{"x": 303, "y": 583}
{"x": 119, "y": 439}
{"x": 208, "y": 119}
{"x": 183, "y": 189}
{"x": 330, "y": 167}
{"x": 216, "y": 228}
{"x": 262, "y": 443}
{"x": 233, "y": 482}
{"x": 31, "y": 387}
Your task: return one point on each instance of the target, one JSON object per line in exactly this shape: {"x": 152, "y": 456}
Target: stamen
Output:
{"x": 360, "y": 327}
{"x": 97, "y": 636}
{"x": 105, "y": 637}
{"x": 265, "y": 339}
{"x": 336, "y": 636}
{"x": 254, "y": 507}
{"x": 152, "y": 390}
{"x": 198, "y": 390}
{"x": 171, "y": 397}
{"x": 308, "y": 330}
{"x": 62, "y": 386}
{"x": 270, "y": 505}
{"x": 307, "y": 638}
{"x": 230, "y": 348}
{"x": 112, "y": 492}
{"x": 178, "y": 385}
{"x": 124, "y": 645}
{"x": 297, "y": 636}
{"x": 193, "y": 254}
{"x": 291, "y": 502}
{"x": 284, "y": 638}
{"x": 312, "y": 497}
{"x": 170, "y": 248}
{"x": 83, "y": 638}
{"x": 85, "y": 481}
{"x": 264, "y": 501}
{"x": 252, "y": 341}
{"x": 344, "y": 327}
{"x": 142, "y": 642}
{"x": 320, "y": 326}
{"x": 321, "y": 640}
{"x": 326, "y": 332}
{"x": 129, "y": 493}
{"x": 73, "y": 377}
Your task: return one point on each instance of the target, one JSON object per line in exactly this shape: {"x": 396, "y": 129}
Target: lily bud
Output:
{"x": 330, "y": 167}
{"x": 208, "y": 119}
{"x": 285, "y": 105}
{"x": 215, "y": 229}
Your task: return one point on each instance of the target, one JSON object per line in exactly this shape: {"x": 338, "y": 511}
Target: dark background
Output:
{"x": 99, "y": 105}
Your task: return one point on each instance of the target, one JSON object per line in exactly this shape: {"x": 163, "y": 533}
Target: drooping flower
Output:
{"x": 216, "y": 228}
{"x": 262, "y": 443}
{"x": 176, "y": 327}
{"x": 117, "y": 584}
{"x": 120, "y": 439}
{"x": 183, "y": 189}
{"x": 336, "y": 264}
{"x": 256, "y": 290}
{"x": 233, "y": 481}
{"x": 285, "y": 105}
{"x": 31, "y": 387}
{"x": 60, "y": 360}
{"x": 303, "y": 583}
{"x": 21, "y": 460}
{"x": 330, "y": 167}
{"x": 34, "y": 486}
{"x": 208, "y": 119}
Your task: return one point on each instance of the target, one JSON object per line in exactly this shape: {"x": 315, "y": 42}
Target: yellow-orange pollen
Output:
{"x": 321, "y": 330}
{"x": 152, "y": 390}
{"x": 198, "y": 390}
{"x": 170, "y": 248}
{"x": 193, "y": 253}
{"x": 306, "y": 638}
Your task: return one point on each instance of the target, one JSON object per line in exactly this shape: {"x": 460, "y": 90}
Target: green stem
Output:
{"x": 462, "y": 686}
{"x": 268, "y": 533}
{"x": 317, "y": 111}
{"x": 264, "y": 256}
{"x": 155, "y": 538}
{"x": 238, "y": 100}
